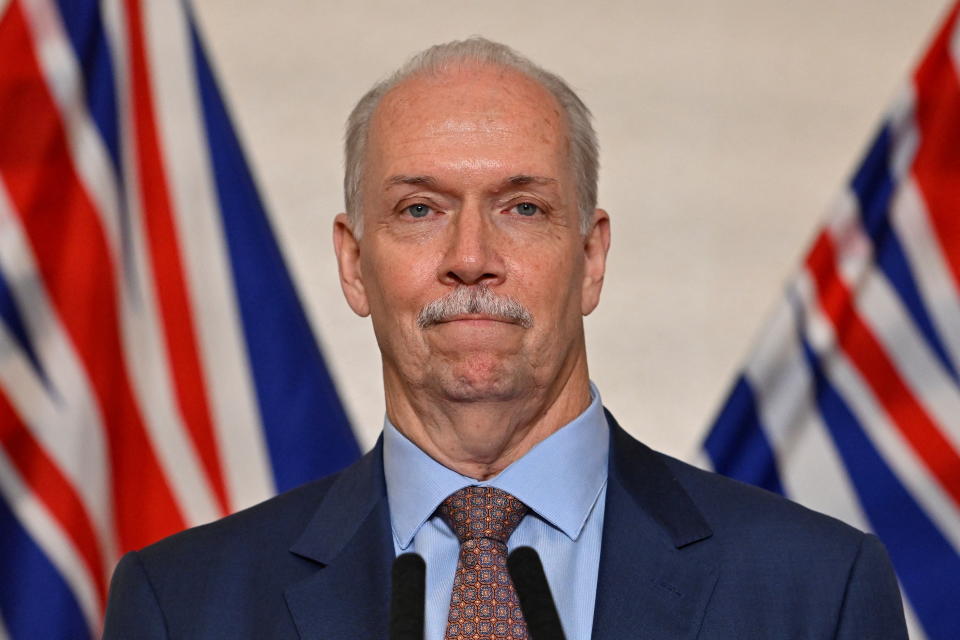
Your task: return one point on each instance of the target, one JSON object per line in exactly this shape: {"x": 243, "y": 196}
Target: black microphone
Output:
{"x": 543, "y": 621}
{"x": 407, "y": 598}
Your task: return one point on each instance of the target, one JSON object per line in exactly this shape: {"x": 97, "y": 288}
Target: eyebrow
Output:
{"x": 429, "y": 181}
{"x": 520, "y": 180}
{"x": 415, "y": 180}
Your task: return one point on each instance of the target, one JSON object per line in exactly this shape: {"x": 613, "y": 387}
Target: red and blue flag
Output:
{"x": 850, "y": 400}
{"x": 157, "y": 369}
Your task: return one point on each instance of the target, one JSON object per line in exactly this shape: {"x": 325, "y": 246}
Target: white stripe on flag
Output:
{"x": 914, "y": 628}
{"x": 931, "y": 273}
{"x": 936, "y": 284}
{"x": 69, "y": 427}
{"x": 879, "y": 307}
{"x": 49, "y": 536}
{"x": 886, "y": 438}
{"x": 780, "y": 377}
{"x": 905, "y": 139}
{"x": 700, "y": 459}
{"x": 90, "y": 160}
{"x": 230, "y": 389}
{"x": 910, "y": 220}
{"x": 62, "y": 74}
{"x": 143, "y": 342}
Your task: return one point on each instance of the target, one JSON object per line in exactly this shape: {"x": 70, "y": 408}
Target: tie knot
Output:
{"x": 482, "y": 512}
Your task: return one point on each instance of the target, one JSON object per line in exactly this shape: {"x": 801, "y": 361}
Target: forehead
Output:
{"x": 478, "y": 115}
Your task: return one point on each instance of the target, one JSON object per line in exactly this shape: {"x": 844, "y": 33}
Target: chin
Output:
{"x": 483, "y": 379}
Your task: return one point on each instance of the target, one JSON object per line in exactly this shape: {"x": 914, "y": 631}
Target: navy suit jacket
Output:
{"x": 686, "y": 554}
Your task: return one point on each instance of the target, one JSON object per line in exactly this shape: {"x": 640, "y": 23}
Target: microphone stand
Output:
{"x": 536, "y": 601}
{"x": 409, "y": 578}
{"x": 526, "y": 571}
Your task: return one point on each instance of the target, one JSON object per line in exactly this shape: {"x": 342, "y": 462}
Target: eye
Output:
{"x": 418, "y": 210}
{"x": 526, "y": 209}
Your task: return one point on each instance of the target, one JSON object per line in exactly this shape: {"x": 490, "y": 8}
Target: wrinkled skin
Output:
{"x": 467, "y": 182}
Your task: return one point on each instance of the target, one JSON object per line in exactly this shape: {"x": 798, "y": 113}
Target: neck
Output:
{"x": 479, "y": 439}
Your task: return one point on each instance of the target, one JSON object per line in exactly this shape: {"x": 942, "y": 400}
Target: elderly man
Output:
{"x": 473, "y": 241}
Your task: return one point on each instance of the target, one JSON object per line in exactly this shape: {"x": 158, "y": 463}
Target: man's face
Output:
{"x": 467, "y": 185}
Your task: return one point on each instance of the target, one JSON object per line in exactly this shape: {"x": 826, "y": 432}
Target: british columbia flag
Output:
{"x": 157, "y": 370}
{"x": 850, "y": 400}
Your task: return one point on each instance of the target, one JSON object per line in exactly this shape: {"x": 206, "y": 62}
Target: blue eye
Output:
{"x": 526, "y": 209}
{"x": 418, "y": 210}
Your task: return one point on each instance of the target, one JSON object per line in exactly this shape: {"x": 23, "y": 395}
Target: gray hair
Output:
{"x": 584, "y": 153}
{"x": 466, "y": 300}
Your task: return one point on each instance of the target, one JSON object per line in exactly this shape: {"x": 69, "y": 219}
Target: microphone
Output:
{"x": 536, "y": 602}
{"x": 406, "y": 600}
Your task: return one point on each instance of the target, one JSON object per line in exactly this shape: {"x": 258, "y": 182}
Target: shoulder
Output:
{"x": 247, "y": 542}
{"x": 267, "y": 527}
{"x": 273, "y": 526}
{"x": 217, "y": 579}
{"x": 757, "y": 534}
{"x": 227, "y": 578}
{"x": 749, "y": 531}
{"x": 739, "y": 511}
{"x": 800, "y": 564}
{"x": 730, "y": 513}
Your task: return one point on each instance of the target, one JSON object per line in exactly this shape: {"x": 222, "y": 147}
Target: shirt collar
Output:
{"x": 560, "y": 478}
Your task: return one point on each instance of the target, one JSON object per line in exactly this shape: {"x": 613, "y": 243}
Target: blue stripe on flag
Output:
{"x": 12, "y": 318}
{"x": 927, "y": 565}
{"x": 84, "y": 27}
{"x": 874, "y": 185}
{"x": 738, "y": 445}
{"x": 305, "y": 425}
{"x": 35, "y": 602}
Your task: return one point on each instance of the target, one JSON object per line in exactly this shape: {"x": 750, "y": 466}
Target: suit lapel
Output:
{"x": 656, "y": 571}
{"x": 349, "y": 540}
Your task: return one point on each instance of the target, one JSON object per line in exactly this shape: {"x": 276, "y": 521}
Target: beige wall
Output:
{"x": 726, "y": 129}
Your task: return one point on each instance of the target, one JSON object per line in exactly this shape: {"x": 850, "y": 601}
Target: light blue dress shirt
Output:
{"x": 563, "y": 480}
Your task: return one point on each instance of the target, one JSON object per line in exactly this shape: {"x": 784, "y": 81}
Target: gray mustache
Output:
{"x": 476, "y": 299}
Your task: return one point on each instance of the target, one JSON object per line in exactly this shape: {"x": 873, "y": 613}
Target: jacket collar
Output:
{"x": 349, "y": 538}
{"x": 656, "y": 569}
{"x": 655, "y": 552}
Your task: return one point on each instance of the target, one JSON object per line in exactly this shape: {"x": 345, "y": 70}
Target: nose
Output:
{"x": 472, "y": 254}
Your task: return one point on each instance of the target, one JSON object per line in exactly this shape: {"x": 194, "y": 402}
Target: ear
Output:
{"x": 347, "y": 248}
{"x": 596, "y": 244}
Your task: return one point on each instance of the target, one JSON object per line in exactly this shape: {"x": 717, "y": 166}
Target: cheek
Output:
{"x": 548, "y": 280}
{"x": 398, "y": 282}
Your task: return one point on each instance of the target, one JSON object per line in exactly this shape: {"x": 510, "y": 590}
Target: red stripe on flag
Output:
{"x": 176, "y": 310}
{"x": 936, "y": 167}
{"x": 865, "y": 351}
{"x": 74, "y": 260}
{"x": 53, "y": 489}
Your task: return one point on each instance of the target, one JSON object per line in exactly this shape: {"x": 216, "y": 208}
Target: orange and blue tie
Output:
{"x": 483, "y": 603}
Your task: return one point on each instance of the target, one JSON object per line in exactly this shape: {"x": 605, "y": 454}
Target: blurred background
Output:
{"x": 153, "y": 351}
{"x": 726, "y": 130}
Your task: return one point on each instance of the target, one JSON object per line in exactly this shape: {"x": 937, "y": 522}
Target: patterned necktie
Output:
{"x": 483, "y": 604}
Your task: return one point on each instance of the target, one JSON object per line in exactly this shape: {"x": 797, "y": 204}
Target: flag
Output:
{"x": 849, "y": 402}
{"x": 157, "y": 370}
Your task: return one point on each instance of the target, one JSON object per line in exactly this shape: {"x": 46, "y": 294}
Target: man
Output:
{"x": 473, "y": 241}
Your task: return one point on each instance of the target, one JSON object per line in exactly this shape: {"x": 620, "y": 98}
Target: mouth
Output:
{"x": 475, "y": 318}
